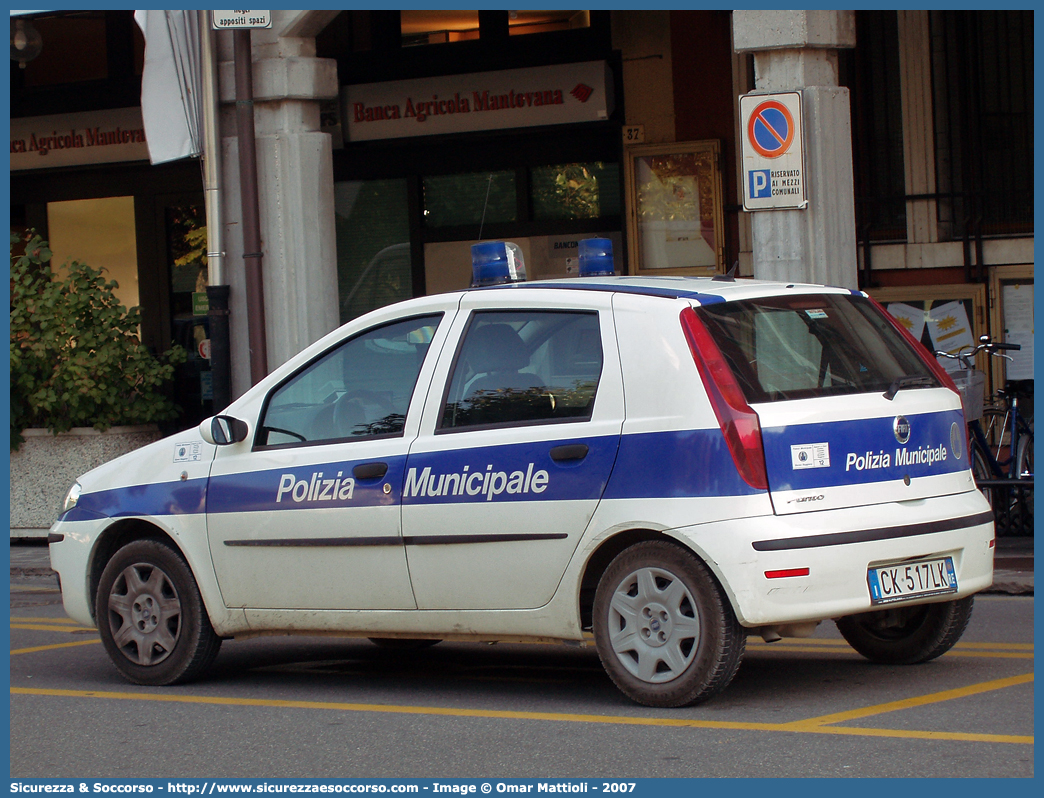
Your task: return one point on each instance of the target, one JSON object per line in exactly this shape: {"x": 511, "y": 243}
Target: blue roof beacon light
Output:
{"x": 596, "y": 257}
{"x": 495, "y": 263}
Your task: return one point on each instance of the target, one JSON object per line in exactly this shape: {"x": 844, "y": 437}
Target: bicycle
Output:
{"x": 1001, "y": 443}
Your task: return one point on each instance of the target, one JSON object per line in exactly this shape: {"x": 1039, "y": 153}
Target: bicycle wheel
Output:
{"x": 980, "y": 465}
{"x": 1024, "y": 470}
{"x": 994, "y": 424}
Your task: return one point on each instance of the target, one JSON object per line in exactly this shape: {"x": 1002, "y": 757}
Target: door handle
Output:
{"x": 370, "y": 470}
{"x": 569, "y": 451}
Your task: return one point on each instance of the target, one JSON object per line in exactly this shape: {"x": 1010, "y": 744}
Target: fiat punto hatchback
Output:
{"x": 666, "y": 465}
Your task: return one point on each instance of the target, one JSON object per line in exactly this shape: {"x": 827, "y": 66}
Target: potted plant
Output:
{"x": 78, "y": 370}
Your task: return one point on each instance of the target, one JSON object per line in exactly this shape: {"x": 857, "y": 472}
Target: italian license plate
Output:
{"x": 890, "y": 583}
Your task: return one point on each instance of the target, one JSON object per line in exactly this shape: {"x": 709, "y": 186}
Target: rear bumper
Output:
{"x": 837, "y": 547}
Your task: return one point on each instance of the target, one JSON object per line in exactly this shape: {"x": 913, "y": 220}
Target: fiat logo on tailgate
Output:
{"x": 901, "y": 428}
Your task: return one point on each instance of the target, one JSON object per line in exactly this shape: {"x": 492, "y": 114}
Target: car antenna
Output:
{"x": 729, "y": 276}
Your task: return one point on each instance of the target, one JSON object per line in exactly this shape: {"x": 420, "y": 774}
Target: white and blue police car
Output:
{"x": 668, "y": 465}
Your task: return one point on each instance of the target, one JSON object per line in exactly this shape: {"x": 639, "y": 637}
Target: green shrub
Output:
{"x": 76, "y": 358}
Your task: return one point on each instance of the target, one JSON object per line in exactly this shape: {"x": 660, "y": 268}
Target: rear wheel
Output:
{"x": 981, "y": 470}
{"x": 151, "y": 616}
{"x": 995, "y": 428}
{"x": 665, "y": 632}
{"x": 1024, "y": 470}
{"x": 907, "y": 635}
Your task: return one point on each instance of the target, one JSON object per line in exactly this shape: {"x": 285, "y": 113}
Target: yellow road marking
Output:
{"x": 35, "y": 649}
{"x": 909, "y": 703}
{"x": 36, "y": 627}
{"x": 846, "y": 650}
{"x": 967, "y": 737}
{"x": 40, "y": 619}
{"x": 541, "y": 716}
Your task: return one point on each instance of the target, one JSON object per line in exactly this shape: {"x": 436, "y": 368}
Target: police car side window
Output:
{"x": 524, "y": 367}
{"x": 360, "y": 389}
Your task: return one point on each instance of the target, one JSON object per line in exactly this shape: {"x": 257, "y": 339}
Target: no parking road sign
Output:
{"x": 773, "y": 151}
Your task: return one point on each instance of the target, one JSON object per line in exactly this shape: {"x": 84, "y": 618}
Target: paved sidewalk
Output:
{"x": 1013, "y": 566}
{"x": 1012, "y": 574}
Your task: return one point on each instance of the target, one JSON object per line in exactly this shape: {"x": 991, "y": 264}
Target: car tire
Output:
{"x": 665, "y": 632}
{"x": 907, "y": 635}
{"x": 151, "y": 616}
{"x": 403, "y": 643}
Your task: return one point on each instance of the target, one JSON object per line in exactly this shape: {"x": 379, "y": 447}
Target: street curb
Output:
{"x": 31, "y": 571}
{"x": 1010, "y": 588}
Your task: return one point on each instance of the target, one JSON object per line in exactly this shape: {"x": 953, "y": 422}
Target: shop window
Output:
{"x": 186, "y": 231}
{"x": 873, "y": 74}
{"x": 575, "y": 191}
{"x": 523, "y": 22}
{"x": 476, "y": 198}
{"x": 373, "y": 245}
{"x": 74, "y": 49}
{"x": 942, "y": 317}
{"x": 101, "y": 233}
{"x": 982, "y": 80}
{"x": 676, "y": 191}
{"x": 422, "y": 26}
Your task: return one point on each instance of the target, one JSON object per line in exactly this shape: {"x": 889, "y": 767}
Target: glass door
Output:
{"x": 186, "y": 245}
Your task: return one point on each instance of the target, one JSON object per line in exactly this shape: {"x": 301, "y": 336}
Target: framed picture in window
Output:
{"x": 947, "y": 318}
{"x": 675, "y": 219}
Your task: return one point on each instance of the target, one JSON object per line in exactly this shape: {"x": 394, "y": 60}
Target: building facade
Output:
{"x": 390, "y": 141}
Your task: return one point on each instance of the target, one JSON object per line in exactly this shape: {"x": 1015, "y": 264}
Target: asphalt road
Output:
{"x": 326, "y": 707}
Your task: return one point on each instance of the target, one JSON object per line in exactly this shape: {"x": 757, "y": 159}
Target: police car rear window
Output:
{"x": 799, "y": 347}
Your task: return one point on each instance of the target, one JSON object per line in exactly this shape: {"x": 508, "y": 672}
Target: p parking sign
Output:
{"x": 773, "y": 151}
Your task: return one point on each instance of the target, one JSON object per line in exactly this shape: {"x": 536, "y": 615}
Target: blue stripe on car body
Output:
{"x": 676, "y": 464}
{"x": 863, "y": 437}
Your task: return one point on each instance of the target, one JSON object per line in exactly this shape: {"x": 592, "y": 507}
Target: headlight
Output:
{"x": 71, "y": 497}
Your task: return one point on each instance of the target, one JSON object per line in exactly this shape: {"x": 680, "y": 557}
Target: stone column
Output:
{"x": 295, "y": 184}
{"x": 797, "y": 51}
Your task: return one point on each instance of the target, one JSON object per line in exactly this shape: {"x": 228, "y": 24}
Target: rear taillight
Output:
{"x": 739, "y": 423}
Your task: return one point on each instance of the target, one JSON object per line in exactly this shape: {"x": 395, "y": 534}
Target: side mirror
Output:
{"x": 223, "y": 430}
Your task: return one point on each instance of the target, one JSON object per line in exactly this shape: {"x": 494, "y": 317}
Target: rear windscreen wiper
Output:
{"x": 907, "y": 381}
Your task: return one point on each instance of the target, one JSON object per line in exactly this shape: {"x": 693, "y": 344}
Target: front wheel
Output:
{"x": 665, "y": 632}
{"x": 907, "y": 635}
{"x": 151, "y": 616}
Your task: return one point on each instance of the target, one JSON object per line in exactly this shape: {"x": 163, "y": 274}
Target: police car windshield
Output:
{"x": 799, "y": 347}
